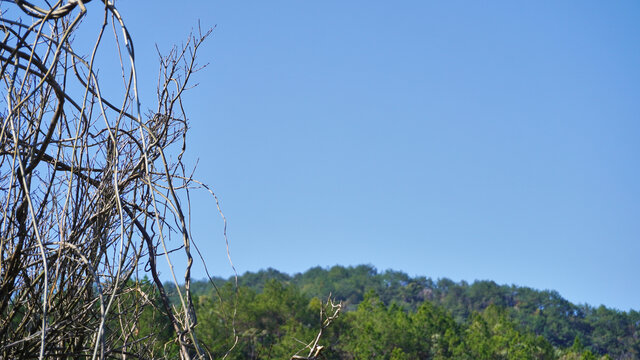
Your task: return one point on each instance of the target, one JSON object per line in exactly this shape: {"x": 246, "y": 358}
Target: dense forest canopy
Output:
{"x": 390, "y": 315}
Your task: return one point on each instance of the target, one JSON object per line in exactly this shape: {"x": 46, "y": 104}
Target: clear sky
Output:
{"x": 471, "y": 140}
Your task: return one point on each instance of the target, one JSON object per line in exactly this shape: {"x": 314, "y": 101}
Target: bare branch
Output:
{"x": 329, "y": 312}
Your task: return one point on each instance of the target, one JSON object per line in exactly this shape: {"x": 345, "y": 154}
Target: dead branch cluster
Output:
{"x": 329, "y": 312}
{"x": 93, "y": 192}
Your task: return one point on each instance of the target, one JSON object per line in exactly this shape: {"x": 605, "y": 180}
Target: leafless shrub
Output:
{"x": 91, "y": 189}
{"x": 329, "y": 312}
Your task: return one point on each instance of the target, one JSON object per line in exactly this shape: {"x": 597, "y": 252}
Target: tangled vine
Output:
{"x": 94, "y": 193}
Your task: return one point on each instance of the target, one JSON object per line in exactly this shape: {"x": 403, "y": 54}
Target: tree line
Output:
{"x": 390, "y": 315}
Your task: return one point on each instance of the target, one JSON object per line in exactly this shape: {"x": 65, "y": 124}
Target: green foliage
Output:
{"x": 377, "y": 330}
{"x": 393, "y": 316}
{"x": 152, "y": 332}
{"x": 260, "y": 321}
{"x": 492, "y": 335}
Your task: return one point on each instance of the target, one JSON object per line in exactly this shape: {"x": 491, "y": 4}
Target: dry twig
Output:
{"x": 329, "y": 312}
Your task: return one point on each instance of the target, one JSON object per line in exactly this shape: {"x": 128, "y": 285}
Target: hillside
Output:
{"x": 478, "y": 319}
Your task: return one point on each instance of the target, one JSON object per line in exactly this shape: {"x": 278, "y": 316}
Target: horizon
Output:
{"x": 413, "y": 276}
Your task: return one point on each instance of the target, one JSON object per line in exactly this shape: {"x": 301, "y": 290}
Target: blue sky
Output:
{"x": 469, "y": 140}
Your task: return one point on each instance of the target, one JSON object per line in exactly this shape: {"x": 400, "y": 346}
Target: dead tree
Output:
{"x": 94, "y": 192}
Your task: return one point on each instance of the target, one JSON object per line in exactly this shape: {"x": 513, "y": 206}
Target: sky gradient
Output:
{"x": 453, "y": 139}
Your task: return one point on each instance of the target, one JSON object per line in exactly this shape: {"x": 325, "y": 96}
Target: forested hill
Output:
{"x": 529, "y": 312}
